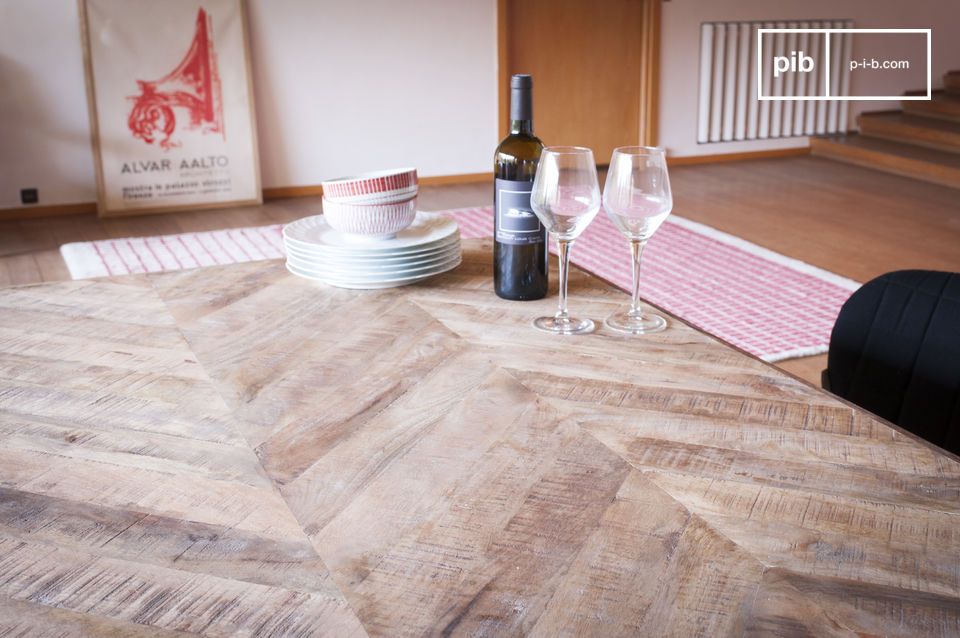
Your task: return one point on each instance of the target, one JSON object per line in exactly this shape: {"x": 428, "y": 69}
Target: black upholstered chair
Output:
{"x": 895, "y": 350}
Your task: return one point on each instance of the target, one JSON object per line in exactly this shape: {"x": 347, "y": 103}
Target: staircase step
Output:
{"x": 942, "y": 105}
{"x": 951, "y": 82}
{"x": 937, "y": 167}
{"x": 897, "y": 126}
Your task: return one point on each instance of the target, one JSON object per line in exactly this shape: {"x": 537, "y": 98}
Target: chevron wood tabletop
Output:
{"x": 235, "y": 451}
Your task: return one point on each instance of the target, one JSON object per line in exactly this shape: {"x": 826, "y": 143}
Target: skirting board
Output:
{"x": 737, "y": 157}
{"x": 284, "y": 192}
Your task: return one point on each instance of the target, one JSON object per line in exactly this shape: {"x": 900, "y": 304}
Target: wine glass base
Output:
{"x": 636, "y": 324}
{"x": 565, "y": 326}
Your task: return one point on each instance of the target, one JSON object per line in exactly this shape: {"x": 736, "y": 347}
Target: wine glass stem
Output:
{"x": 636, "y": 250}
{"x": 563, "y": 251}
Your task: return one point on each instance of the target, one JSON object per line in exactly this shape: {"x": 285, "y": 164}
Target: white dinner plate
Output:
{"x": 341, "y": 274}
{"x": 369, "y": 285}
{"x": 321, "y": 249}
{"x": 427, "y": 231}
{"x": 376, "y": 264}
{"x": 336, "y": 253}
{"x": 389, "y": 258}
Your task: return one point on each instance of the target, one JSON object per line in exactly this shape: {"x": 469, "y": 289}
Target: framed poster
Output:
{"x": 171, "y": 104}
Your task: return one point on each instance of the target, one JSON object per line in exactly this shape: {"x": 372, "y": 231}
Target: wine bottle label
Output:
{"x": 516, "y": 222}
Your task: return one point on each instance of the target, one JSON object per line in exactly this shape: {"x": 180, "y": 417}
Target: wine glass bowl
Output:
{"x": 566, "y": 198}
{"x": 569, "y": 215}
{"x": 638, "y": 218}
{"x": 638, "y": 199}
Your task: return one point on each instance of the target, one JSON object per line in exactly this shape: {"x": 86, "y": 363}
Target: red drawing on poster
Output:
{"x": 194, "y": 86}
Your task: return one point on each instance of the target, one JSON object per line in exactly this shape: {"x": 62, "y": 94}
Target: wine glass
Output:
{"x": 637, "y": 199}
{"x": 566, "y": 198}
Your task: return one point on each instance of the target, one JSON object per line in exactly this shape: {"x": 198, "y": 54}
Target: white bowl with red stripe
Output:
{"x": 372, "y": 221}
{"x": 380, "y": 187}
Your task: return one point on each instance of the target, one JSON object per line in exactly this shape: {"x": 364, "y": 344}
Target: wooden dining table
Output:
{"x": 237, "y": 451}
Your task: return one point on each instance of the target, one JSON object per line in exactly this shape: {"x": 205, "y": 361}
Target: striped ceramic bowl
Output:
{"x": 381, "y": 187}
{"x": 376, "y": 221}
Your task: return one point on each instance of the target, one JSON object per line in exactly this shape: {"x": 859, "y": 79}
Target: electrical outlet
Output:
{"x": 29, "y": 196}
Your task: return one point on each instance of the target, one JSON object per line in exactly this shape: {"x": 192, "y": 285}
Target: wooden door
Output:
{"x": 594, "y": 69}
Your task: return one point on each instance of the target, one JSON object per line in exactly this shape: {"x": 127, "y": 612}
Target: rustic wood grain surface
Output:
{"x": 235, "y": 451}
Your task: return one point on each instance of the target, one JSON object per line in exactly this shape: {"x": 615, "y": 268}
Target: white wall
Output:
{"x": 679, "y": 82}
{"x": 346, "y": 86}
{"x": 340, "y": 86}
{"x": 44, "y": 130}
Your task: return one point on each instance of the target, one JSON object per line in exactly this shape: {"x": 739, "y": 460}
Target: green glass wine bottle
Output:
{"x": 520, "y": 241}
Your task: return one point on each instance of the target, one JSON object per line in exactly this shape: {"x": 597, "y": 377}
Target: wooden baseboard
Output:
{"x": 738, "y": 157}
{"x": 54, "y": 210}
{"x": 316, "y": 190}
{"x": 464, "y": 178}
{"x": 286, "y": 192}
{"x": 279, "y": 192}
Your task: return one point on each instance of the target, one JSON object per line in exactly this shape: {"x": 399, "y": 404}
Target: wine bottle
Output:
{"x": 520, "y": 241}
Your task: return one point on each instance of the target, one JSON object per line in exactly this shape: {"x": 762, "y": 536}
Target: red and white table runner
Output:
{"x": 770, "y": 305}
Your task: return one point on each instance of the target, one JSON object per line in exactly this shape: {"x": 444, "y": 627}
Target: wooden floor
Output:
{"x": 853, "y": 221}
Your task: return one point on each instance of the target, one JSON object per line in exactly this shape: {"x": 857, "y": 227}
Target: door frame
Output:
{"x": 647, "y": 109}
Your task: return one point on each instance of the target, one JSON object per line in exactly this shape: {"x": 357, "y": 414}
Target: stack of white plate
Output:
{"x": 428, "y": 247}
